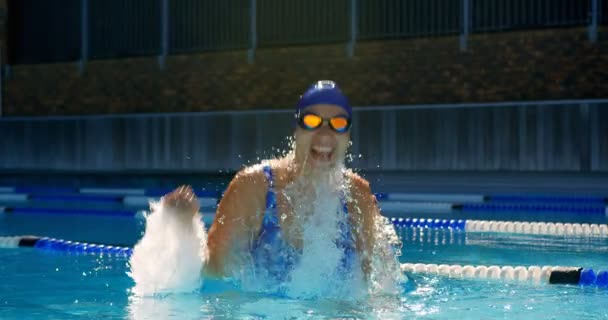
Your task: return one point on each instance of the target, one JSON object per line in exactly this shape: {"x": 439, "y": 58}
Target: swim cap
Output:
{"x": 324, "y": 92}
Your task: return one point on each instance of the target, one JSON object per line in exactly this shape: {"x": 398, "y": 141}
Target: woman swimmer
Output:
{"x": 255, "y": 218}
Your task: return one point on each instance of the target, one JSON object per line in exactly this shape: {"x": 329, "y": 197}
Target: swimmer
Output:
{"x": 259, "y": 215}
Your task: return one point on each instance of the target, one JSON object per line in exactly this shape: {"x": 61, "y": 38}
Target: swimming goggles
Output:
{"x": 312, "y": 121}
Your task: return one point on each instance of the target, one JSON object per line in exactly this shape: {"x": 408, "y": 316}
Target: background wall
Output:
{"x": 555, "y": 136}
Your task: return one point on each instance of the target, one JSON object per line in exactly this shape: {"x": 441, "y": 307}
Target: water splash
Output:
{"x": 320, "y": 213}
{"x": 386, "y": 277}
{"x": 170, "y": 255}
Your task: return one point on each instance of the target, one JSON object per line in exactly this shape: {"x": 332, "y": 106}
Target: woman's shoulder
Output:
{"x": 252, "y": 174}
{"x": 258, "y": 173}
{"x": 358, "y": 184}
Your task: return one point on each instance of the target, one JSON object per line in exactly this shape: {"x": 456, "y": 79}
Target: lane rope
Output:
{"x": 521, "y": 227}
{"x": 535, "y": 274}
{"x": 52, "y": 244}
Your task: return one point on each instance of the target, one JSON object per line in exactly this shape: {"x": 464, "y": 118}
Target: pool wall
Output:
{"x": 541, "y": 136}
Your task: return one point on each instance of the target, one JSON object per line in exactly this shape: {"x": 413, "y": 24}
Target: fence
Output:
{"x": 537, "y": 136}
{"x": 43, "y": 31}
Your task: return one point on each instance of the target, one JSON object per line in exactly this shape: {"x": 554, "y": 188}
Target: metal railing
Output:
{"x": 197, "y": 25}
{"x": 67, "y": 30}
{"x": 284, "y": 22}
{"x": 119, "y": 28}
{"x": 410, "y": 18}
{"x": 498, "y": 15}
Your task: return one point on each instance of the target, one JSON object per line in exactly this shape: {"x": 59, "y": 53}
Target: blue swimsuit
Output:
{"x": 274, "y": 258}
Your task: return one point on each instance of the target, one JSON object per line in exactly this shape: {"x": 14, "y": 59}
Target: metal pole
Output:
{"x": 465, "y": 25}
{"x": 593, "y": 25}
{"x": 585, "y": 138}
{"x": 84, "y": 35}
{"x": 254, "y": 32}
{"x": 350, "y": 48}
{"x": 1, "y": 80}
{"x": 164, "y": 34}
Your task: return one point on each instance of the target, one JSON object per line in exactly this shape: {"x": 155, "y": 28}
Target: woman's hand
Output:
{"x": 183, "y": 201}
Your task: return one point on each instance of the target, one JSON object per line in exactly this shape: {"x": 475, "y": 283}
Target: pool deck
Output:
{"x": 468, "y": 182}
{"x": 486, "y": 183}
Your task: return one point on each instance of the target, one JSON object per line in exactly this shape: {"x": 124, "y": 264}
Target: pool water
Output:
{"x": 36, "y": 284}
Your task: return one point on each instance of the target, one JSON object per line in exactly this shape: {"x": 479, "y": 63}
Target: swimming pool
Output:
{"x": 45, "y": 284}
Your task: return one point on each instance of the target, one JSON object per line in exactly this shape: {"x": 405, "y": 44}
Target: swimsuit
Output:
{"x": 274, "y": 257}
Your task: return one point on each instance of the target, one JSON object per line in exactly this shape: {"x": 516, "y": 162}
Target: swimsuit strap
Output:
{"x": 268, "y": 174}
{"x": 271, "y": 199}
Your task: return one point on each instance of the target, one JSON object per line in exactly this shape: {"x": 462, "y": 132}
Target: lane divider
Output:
{"x": 421, "y": 202}
{"x": 13, "y": 197}
{"x": 536, "y": 274}
{"x": 381, "y": 196}
{"x": 7, "y": 189}
{"x": 76, "y": 197}
{"x": 530, "y": 207}
{"x": 144, "y": 201}
{"x": 546, "y": 274}
{"x": 45, "y": 190}
{"x": 415, "y": 206}
{"x": 158, "y": 192}
{"x": 547, "y": 199}
{"x": 208, "y": 216}
{"x": 539, "y": 228}
{"x": 113, "y": 191}
{"x": 431, "y": 197}
{"x": 69, "y": 211}
{"x": 52, "y": 244}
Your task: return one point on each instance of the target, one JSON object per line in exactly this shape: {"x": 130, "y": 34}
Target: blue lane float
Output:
{"x": 77, "y": 198}
{"x": 46, "y": 190}
{"x": 517, "y": 227}
{"x": 7, "y": 189}
{"x": 70, "y": 211}
{"x": 431, "y": 197}
{"x": 430, "y": 223}
{"x": 60, "y": 245}
{"x": 158, "y": 192}
{"x": 79, "y": 247}
{"x": 547, "y": 199}
{"x": 556, "y": 275}
{"x": 144, "y": 201}
{"x": 113, "y": 191}
{"x": 529, "y": 207}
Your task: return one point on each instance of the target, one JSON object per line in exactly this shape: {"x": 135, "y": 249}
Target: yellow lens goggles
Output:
{"x": 312, "y": 121}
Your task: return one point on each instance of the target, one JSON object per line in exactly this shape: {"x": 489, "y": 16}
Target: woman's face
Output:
{"x": 322, "y": 147}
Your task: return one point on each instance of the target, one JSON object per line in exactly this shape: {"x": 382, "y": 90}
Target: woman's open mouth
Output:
{"x": 322, "y": 154}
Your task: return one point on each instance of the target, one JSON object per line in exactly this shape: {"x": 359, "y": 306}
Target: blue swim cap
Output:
{"x": 324, "y": 92}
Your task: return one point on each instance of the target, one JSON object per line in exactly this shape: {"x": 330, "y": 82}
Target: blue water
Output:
{"x": 42, "y": 285}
